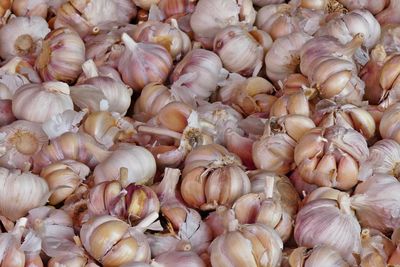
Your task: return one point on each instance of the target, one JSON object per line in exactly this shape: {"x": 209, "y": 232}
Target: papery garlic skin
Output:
{"x": 153, "y": 64}
{"x": 68, "y": 174}
{"x": 210, "y": 16}
{"x": 171, "y": 8}
{"x": 262, "y": 3}
{"x": 224, "y": 250}
{"x": 20, "y": 36}
{"x": 58, "y": 124}
{"x": 372, "y": 6}
{"x": 112, "y": 242}
{"x": 238, "y": 50}
{"x": 19, "y": 141}
{"x": 139, "y": 161}
{"x": 30, "y": 8}
{"x": 376, "y": 248}
{"x": 283, "y": 58}
{"x": 331, "y": 157}
{"x": 61, "y": 56}
{"x": 38, "y": 103}
{"x": 318, "y": 256}
{"x": 179, "y": 259}
{"x": 376, "y": 202}
{"x": 389, "y": 125}
{"x": 331, "y": 223}
{"x": 86, "y": 17}
{"x": 206, "y": 169}
{"x": 196, "y": 76}
{"x": 20, "y": 193}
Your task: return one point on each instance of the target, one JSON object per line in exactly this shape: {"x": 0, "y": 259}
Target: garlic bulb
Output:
{"x": 21, "y": 36}
{"x": 292, "y": 103}
{"x": 176, "y": 8}
{"x": 384, "y": 158}
{"x": 30, "y": 8}
{"x": 331, "y": 157}
{"x": 39, "y": 102}
{"x": 239, "y": 51}
{"x": 97, "y": 90}
{"x": 21, "y": 192}
{"x": 331, "y": 68}
{"x": 282, "y": 19}
{"x": 196, "y": 76}
{"x": 113, "y": 243}
{"x": 85, "y": 17}
{"x": 376, "y": 203}
{"x": 152, "y": 99}
{"x": 389, "y": 124}
{"x": 331, "y": 223}
{"x": 63, "y": 178}
{"x": 390, "y": 38}
{"x": 274, "y": 151}
{"x": 75, "y": 146}
{"x": 210, "y": 16}
{"x": 20, "y": 140}
{"x": 138, "y": 160}
{"x": 143, "y": 63}
{"x": 247, "y": 96}
{"x": 179, "y": 259}
{"x": 224, "y": 251}
{"x": 263, "y": 208}
{"x": 283, "y": 58}
{"x": 380, "y": 77}
{"x": 376, "y": 248}
{"x": 61, "y": 56}
{"x": 328, "y": 113}
{"x": 344, "y": 28}
{"x": 168, "y": 35}
{"x": 10, "y": 77}
{"x": 219, "y": 220}
{"x": 303, "y": 188}
{"x": 283, "y": 189}
{"x": 206, "y": 169}
{"x": 388, "y": 15}
{"x": 262, "y": 3}
{"x": 374, "y": 7}
{"x": 318, "y": 256}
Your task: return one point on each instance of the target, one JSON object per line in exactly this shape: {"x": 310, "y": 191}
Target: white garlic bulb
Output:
{"x": 20, "y": 36}
{"x": 20, "y": 193}
{"x": 376, "y": 202}
{"x": 329, "y": 222}
{"x": 19, "y": 141}
{"x": 139, "y": 161}
{"x": 239, "y": 51}
{"x": 318, "y": 256}
{"x": 39, "y": 102}
{"x": 30, "y": 8}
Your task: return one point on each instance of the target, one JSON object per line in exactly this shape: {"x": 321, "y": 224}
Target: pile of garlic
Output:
{"x": 221, "y": 133}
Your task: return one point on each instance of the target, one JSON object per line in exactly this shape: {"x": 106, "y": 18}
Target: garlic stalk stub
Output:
{"x": 61, "y": 57}
{"x": 143, "y": 63}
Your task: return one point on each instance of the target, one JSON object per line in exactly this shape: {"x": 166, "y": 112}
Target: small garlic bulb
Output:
{"x": 283, "y": 58}
{"x": 113, "y": 242}
{"x": 21, "y": 192}
{"x": 239, "y": 51}
{"x": 143, "y": 63}
{"x": 61, "y": 57}
{"x": 86, "y": 17}
{"x": 376, "y": 202}
{"x": 40, "y": 102}
{"x": 152, "y": 99}
{"x": 384, "y": 158}
{"x": 210, "y": 16}
{"x": 274, "y": 151}
{"x": 224, "y": 252}
{"x": 63, "y": 178}
{"x": 331, "y": 157}
{"x": 318, "y": 256}
{"x": 98, "y": 90}
{"x": 20, "y": 37}
{"x": 30, "y": 8}
{"x": 19, "y": 141}
{"x": 345, "y": 27}
{"x": 206, "y": 169}
{"x": 331, "y": 223}
{"x": 372, "y": 6}
{"x": 168, "y": 35}
{"x": 389, "y": 125}
{"x": 332, "y": 69}
{"x": 327, "y": 113}
{"x": 139, "y": 161}
{"x": 196, "y": 76}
